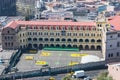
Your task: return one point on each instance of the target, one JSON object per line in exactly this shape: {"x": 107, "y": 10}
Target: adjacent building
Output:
{"x": 113, "y": 40}
{"x": 114, "y": 71}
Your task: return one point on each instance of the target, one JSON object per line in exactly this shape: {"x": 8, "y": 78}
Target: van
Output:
{"x": 78, "y": 74}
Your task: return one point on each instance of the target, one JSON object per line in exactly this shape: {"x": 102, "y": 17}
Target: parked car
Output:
{"x": 78, "y": 74}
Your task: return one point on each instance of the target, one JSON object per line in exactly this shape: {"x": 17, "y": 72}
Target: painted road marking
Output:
{"x": 78, "y": 55}
{"x": 73, "y": 63}
{"x": 29, "y": 58}
{"x": 40, "y": 62}
{"x": 45, "y": 54}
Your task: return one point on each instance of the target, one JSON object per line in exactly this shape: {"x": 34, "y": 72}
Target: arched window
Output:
{"x": 40, "y": 39}
{"x": 57, "y": 39}
{"x": 74, "y": 40}
{"x": 99, "y": 40}
{"x": 81, "y": 40}
{"x": 63, "y": 40}
{"x": 86, "y": 40}
{"x": 98, "y": 47}
{"x": 46, "y": 39}
{"x": 92, "y": 40}
{"x": 86, "y": 47}
{"x": 29, "y": 39}
{"x": 52, "y": 39}
{"x": 34, "y": 39}
{"x": 69, "y": 40}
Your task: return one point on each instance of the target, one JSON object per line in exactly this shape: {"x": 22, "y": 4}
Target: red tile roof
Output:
{"x": 14, "y": 24}
{"x": 114, "y": 21}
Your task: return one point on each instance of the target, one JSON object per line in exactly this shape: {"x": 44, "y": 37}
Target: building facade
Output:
{"x": 113, "y": 40}
{"x": 7, "y": 7}
{"x": 33, "y": 34}
{"x": 113, "y": 46}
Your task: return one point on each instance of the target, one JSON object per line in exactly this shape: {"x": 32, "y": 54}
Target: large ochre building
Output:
{"x": 37, "y": 34}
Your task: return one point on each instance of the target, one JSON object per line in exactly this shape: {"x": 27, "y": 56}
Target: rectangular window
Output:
{"x": 5, "y": 44}
{"x": 5, "y": 37}
{"x": 118, "y": 44}
{"x": 118, "y": 34}
{"x": 63, "y": 33}
{"x": 117, "y": 53}
{"x": 110, "y": 45}
{"x": 11, "y": 37}
{"x": 11, "y": 44}
{"x": 30, "y": 33}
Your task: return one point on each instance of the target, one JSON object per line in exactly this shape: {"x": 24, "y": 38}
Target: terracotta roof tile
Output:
{"x": 14, "y": 24}
{"x": 114, "y": 21}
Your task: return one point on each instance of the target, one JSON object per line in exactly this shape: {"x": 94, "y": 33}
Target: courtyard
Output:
{"x": 31, "y": 61}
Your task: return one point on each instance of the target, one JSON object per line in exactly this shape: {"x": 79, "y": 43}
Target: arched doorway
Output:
{"x": 57, "y": 45}
{"x": 29, "y": 46}
{"x": 80, "y": 47}
{"x": 98, "y": 47}
{"x": 46, "y": 45}
{"x": 40, "y": 46}
{"x": 51, "y": 45}
{"x": 75, "y": 46}
{"x": 86, "y": 47}
{"x": 69, "y": 46}
{"x": 35, "y": 46}
{"x": 63, "y": 46}
{"x": 92, "y": 47}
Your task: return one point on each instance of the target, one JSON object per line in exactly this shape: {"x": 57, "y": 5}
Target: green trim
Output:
{"x": 60, "y": 49}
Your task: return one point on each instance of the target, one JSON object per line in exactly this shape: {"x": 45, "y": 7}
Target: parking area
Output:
{"x": 30, "y": 61}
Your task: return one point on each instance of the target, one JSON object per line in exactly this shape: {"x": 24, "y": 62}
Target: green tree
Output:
{"x": 104, "y": 76}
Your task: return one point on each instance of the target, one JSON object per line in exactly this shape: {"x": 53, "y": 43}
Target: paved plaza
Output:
{"x": 30, "y": 61}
